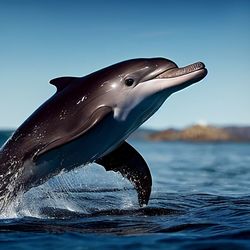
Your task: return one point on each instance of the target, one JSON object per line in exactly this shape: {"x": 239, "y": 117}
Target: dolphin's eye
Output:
{"x": 129, "y": 81}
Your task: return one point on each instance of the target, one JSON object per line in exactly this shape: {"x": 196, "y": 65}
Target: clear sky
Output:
{"x": 41, "y": 40}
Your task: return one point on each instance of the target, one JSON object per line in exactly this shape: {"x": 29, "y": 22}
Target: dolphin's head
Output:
{"x": 132, "y": 91}
{"x": 136, "y": 88}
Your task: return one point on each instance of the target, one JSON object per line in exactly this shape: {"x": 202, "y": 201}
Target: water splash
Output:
{"x": 85, "y": 190}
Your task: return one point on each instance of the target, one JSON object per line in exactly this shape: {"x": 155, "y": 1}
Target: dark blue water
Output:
{"x": 200, "y": 200}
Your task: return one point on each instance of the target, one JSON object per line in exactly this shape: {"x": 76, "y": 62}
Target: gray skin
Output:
{"x": 88, "y": 120}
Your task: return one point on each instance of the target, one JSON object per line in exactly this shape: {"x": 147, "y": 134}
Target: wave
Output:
{"x": 167, "y": 213}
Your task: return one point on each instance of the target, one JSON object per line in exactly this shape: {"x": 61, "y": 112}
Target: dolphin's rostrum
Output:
{"x": 88, "y": 120}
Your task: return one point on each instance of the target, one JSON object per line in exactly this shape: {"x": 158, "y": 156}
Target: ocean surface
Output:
{"x": 200, "y": 200}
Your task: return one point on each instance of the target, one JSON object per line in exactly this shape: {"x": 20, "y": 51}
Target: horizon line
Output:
{"x": 167, "y": 127}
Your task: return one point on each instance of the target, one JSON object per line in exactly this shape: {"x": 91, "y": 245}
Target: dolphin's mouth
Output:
{"x": 176, "y": 72}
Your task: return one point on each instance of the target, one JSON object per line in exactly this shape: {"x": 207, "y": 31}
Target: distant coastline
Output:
{"x": 196, "y": 133}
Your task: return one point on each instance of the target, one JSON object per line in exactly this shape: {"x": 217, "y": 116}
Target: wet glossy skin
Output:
{"x": 90, "y": 116}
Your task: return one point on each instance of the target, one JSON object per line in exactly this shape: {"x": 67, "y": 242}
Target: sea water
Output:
{"x": 200, "y": 200}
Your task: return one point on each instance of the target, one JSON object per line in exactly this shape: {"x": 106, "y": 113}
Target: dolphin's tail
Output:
{"x": 126, "y": 160}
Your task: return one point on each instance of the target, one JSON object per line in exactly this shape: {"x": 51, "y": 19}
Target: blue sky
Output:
{"x": 41, "y": 40}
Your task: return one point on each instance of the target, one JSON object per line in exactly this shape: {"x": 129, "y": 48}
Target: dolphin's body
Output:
{"x": 88, "y": 120}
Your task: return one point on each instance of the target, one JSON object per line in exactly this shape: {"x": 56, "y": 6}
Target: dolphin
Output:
{"x": 87, "y": 120}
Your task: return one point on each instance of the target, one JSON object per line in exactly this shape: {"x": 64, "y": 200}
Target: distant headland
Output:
{"x": 197, "y": 133}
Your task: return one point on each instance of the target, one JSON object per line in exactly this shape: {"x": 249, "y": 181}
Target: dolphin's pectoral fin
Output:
{"x": 76, "y": 132}
{"x": 126, "y": 160}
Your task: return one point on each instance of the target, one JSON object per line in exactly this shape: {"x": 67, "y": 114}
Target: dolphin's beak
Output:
{"x": 174, "y": 72}
{"x": 175, "y": 79}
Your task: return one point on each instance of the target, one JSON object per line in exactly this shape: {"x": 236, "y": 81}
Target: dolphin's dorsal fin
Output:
{"x": 62, "y": 82}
